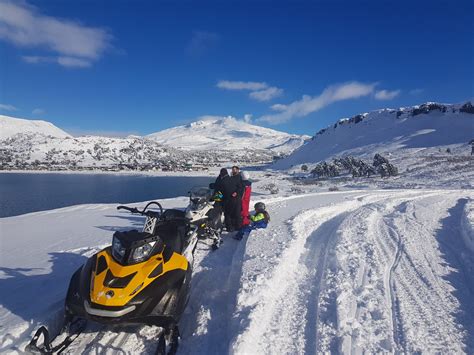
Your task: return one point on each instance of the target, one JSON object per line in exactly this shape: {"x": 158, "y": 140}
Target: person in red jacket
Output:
{"x": 245, "y": 198}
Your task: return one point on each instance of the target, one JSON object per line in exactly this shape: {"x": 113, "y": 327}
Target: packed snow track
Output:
{"x": 346, "y": 272}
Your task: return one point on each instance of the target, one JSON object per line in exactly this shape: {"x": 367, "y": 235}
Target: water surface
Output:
{"x": 29, "y": 192}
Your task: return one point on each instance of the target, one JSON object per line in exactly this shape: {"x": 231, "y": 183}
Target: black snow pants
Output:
{"x": 233, "y": 218}
{"x": 215, "y": 215}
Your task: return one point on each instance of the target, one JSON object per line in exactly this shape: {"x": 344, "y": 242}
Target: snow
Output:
{"x": 9, "y": 126}
{"x": 227, "y": 133}
{"x": 348, "y": 271}
{"x": 467, "y": 224}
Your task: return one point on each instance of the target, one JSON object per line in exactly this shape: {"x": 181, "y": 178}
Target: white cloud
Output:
{"x": 415, "y": 92}
{"x": 308, "y": 104}
{"x": 266, "y": 94}
{"x": 72, "y": 62}
{"x": 259, "y": 91}
{"x": 247, "y": 118}
{"x": 6, "y": 107}
{"x": 386, "y": 95}
{"x": 201, "y": 42}
{"x": 38, "y": 111}
{"x": 278, "y": 107}
{"x": 241, "y": 85}
{"x": 69, "y": 62}
{"x": 24, "y": 26}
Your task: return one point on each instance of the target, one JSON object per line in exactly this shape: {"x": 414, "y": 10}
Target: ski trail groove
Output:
{"x": 395, "y": 308}
{"x": 318, "y": 263}
{"x": 358, "y": 281}
{"x": 280, "y": 321}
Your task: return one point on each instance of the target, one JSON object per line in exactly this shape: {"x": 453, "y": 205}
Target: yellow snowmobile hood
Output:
{"x": 118, "y": 284}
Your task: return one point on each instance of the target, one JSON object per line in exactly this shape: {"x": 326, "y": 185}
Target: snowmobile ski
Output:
{"x": 168, "y": 342}
{"x": 74, "y": 329}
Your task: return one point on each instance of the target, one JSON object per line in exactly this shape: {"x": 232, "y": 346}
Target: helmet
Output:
{"x": 245, "y": 175}
{"x": 259, "y": 207}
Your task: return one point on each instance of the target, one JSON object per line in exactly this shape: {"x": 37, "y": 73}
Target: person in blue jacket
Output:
{"x": 258, "y": 220}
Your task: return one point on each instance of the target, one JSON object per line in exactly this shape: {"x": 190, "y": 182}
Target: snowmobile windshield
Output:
{"x": 132, "y": 247}
{"x": 200, "y": 195}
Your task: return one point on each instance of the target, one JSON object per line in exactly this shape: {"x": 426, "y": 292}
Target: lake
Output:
{"x": 29, "y": 192}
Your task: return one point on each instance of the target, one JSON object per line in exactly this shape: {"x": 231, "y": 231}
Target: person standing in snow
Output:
{"x": 247, "y": 185}
{"x": 218, "y": 182}
{"x": 231, "y": 188}
{"x": 237, "y": 211}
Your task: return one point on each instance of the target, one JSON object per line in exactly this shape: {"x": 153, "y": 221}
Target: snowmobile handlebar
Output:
{"x": 143, "y": 212}
{"x": 130, "y": 209}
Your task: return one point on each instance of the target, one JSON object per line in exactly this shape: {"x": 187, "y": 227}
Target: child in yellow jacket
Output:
{"x": 259, "y": 219}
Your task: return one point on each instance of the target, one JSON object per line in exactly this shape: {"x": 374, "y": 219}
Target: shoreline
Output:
{"x": 210, "y": 172}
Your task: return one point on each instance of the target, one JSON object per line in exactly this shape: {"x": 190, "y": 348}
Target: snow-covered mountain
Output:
{"x": 10, "y": 126}
{"x": 228, "y": 133}
{"x": 26, "y": 144}
{"x": 421, "y": 130}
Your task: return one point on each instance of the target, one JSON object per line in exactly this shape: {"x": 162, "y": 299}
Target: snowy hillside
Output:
{"x": 37, "y": 150}
{"x": 227, "y": 133}
{"x": 419, "y": 130}
{"x": 10, "y": 126}
{"x": 335, "y": 272}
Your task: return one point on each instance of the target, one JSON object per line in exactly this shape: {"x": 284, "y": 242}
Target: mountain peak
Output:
{"x": 227, "y": 133}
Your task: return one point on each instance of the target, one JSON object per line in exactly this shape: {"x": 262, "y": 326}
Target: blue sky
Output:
{"x": 120, "y": 67}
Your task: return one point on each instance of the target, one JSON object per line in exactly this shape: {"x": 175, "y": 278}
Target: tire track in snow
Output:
{"x": 278, "y": 319}
{"x": 426, "y": 300}
{"x": 362, "y": 290}
{"x": 368, "y": 253}
{"x": 398, "y": 336}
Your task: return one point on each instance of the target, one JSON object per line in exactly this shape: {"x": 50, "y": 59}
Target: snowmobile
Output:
{"x": 142, "y": 278}
{"x": 205, "y": 212}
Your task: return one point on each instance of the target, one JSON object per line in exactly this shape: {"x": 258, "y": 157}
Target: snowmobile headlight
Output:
{"x": 118, "y": 251}
{"x": 142, "y": 252}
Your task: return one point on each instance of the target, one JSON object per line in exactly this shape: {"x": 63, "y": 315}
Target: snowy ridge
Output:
{"x": 399, "y": 132}
{"x": 227, "y": 133}
{"x": 10, "y": 126}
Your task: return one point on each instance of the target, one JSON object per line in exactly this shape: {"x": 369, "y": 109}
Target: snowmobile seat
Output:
{"x": 172, "y": 233}
{"x": 173, "y": 214}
